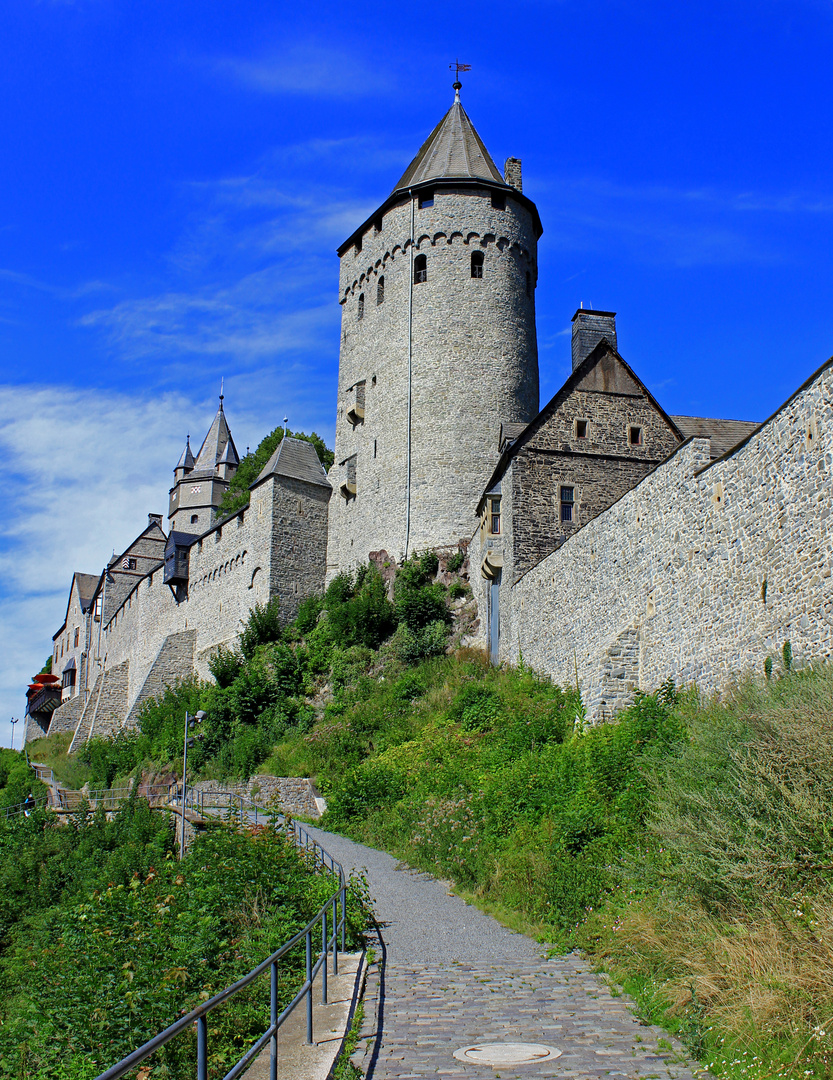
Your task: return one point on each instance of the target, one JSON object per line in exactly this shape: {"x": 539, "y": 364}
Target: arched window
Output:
{"x": 360, "y": 313}
{"x": 477, "y": 259}
{"x": 380, "y": 290}
{"x": 420, "y": 269}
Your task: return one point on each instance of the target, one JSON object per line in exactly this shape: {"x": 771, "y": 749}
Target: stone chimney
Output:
{"x": 512, "y": 173}
{"x": 155, "y": 519}
{"x": 589, "y": 327}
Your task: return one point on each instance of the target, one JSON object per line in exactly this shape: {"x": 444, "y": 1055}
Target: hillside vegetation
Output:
{"x": 686, "y": 847}
{"x": 105, "y": 938}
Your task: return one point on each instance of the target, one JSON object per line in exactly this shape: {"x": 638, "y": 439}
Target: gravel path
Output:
{"x": 450, "y": 977}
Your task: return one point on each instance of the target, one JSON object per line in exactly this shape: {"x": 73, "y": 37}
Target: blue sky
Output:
{"x": 175, "y": 177}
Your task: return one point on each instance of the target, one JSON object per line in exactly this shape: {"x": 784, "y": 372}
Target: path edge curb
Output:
{"x": 369, "y": 995}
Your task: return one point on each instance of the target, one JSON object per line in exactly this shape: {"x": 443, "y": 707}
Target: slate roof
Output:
{"x": 181, "y": 539}
{"x": 295, "y": 458}
{"x": 452, "y": 150}
{"x": 87, "y": 584}
{"x": 215, "y": 445}
{"x": 187, "y": 459}
{"x": 724, "y": 434}
{"x": 509, "y": 431}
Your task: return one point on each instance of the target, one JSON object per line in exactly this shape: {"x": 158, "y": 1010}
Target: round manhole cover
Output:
{"x": 507, "y": 1053}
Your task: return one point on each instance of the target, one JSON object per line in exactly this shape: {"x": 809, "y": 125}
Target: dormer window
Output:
{"x": 634, "y": 436}
{"x": 420, "y": 269}
{"x": 426, "y": 199}
{"x": 581, "y": 429}
{"x": 477, "y": 260}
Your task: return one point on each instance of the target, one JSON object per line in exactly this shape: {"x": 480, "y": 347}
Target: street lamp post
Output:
{"x": 13, "y": 724}
{"x": 190, "y": 721}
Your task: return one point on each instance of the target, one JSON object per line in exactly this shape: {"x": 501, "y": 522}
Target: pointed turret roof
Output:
{"x": 229, "y": 455}
{"x": 453, "y": 150}
{"x": 455, "y": 153}
{"x": 187, "y": 459}
{"x": 215, "y": 444}
{"x": 295, "y": 458}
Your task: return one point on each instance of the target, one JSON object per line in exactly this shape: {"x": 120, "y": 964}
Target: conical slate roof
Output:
{"x": 452, "y": 150}
{"x": 187, "y": 459}
{"x": 296, "y": 458}
{"x": 215, "y": 443}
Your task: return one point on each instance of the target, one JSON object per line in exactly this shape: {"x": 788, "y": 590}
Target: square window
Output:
{"x": 581, "y": 429}
{"x": 498, "y": 201}
{"x": 634, "y": 436}
{"x": 567, "y": 501}
{"x": 427, "y": 199}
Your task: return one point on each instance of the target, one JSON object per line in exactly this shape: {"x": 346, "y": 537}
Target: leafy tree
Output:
{"x": 251, "y": 465}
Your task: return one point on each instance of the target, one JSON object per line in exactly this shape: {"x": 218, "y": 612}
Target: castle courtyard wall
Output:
{"x": 698, "y": 573}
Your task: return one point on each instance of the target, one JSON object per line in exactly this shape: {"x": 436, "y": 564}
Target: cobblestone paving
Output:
{"x": 447, "y": 976}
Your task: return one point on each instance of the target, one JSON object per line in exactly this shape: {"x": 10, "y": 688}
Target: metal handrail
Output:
{"x": 199, "y": 1016}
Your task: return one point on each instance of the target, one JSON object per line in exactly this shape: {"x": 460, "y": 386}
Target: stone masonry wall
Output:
{"x": 294, "y": 794}
{"x": 228, "y": 573}
{"x": 298, "y": 542}
{"x": 474, "y": 364}
{"x": 174, "y": 661}
{"x": 66, "y": 717}
{"x": 698, "y": 573}
{"x": 277, "y": 546}
{"x": 106, "y": 706}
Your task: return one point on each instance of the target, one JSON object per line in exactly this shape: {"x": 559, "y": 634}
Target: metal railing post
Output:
{"x": 309, "y": 990}
{"x": 273, "y": 1019}
{"x": 343, "y": 913}
{"x": 335, "y": 936}
{"x": 324, "y": 951}
{"x": 202, "y": 1048}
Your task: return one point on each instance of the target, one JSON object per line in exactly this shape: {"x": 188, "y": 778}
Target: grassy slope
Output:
{"x": 687, "y": 847}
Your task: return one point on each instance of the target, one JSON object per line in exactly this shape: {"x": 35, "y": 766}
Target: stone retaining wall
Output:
{"x": 295, "y": 795}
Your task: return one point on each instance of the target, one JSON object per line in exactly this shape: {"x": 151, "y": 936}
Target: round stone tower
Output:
{"x": 438, "y": 348}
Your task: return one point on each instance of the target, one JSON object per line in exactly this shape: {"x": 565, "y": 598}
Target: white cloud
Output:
{"x": 306, "y": 69}
{"x": 86, "y": 468}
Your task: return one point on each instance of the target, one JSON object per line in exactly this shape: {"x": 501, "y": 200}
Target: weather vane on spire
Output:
{"x": 457, "y": 67}
{"x": 222, "y": 380}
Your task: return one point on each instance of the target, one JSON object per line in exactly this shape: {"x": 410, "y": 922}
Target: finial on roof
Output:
{"x": 457, "y": 67}
{"x": 221, "y": 391}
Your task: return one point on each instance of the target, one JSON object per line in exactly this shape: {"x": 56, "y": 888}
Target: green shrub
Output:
{"x": 308, "y": 612}
{"x": 455, "y": 563}
{"x": 476, "y": 707}
{"x": 225, "y": 665}
{"x": 363, "y": 615}
{"x": 417, "y": 608}
{"x": 457, "y": 589}
{"x": 261, "y": 628}
{"x": 412, "y": 646}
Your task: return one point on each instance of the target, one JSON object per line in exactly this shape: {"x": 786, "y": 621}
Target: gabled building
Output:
{"x": 599, "y": 436}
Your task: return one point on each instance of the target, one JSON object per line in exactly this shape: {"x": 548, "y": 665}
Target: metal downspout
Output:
{"x": 410, "y": 359}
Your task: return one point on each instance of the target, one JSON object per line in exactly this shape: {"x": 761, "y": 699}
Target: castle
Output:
{"x": 607, "y": 542}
